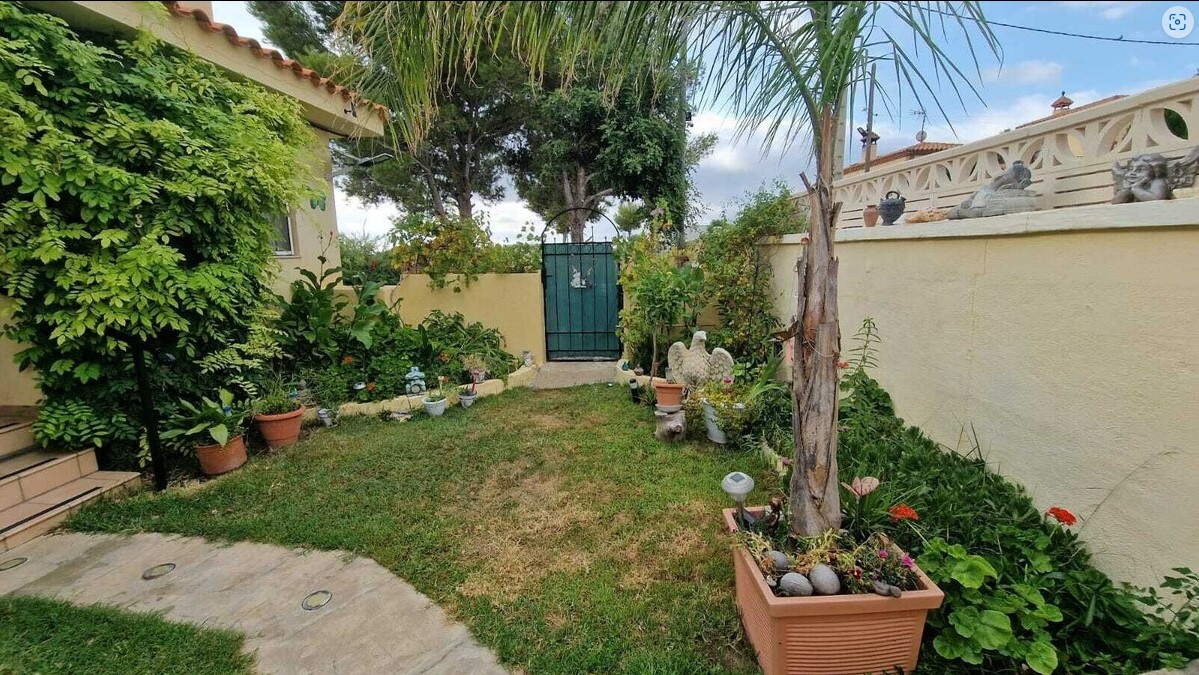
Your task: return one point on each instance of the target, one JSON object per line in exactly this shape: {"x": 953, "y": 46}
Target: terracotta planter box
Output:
{"x": 831, "y": 634}
{"x": 668, "y": 393}
{"x": 280, "y": 430}
{"x": 218, "y": 459}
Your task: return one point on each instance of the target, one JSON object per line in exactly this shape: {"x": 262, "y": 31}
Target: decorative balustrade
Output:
{"x": 1071, "y": 155}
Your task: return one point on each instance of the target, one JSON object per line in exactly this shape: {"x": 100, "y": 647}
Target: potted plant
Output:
{"x": 467, "y": 395}
{"x": 279, "y": 415}
{"x": 221, "y": 421}
{"x": 838, "y": 602}
{"x": 435, "y": 400}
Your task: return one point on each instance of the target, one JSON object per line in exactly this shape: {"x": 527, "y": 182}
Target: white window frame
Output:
{"x": 290, "y": 252}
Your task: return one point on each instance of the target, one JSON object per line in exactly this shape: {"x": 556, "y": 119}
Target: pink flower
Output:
{"x": 843, "y": 427}
{"x": 907, "y": 562}
{"x": 862, "y": 486}
{"x": 883, "y": 554}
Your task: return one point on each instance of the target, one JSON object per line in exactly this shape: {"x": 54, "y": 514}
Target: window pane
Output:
{"x": 283, "y": 245}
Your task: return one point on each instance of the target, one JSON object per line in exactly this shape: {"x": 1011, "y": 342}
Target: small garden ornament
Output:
{"x": 694, "y": 366}
{"x": 1152, "y": 177}
{"x": 671, "y": 426}
{"x": 415, "y": 381}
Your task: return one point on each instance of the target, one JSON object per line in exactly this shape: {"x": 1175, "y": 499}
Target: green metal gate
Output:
{"x": 582, "y": 301}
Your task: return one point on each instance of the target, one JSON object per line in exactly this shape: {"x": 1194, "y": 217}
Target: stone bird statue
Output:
{"x": 694, "y": 366}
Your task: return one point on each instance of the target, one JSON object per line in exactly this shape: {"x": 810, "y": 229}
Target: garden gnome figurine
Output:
{"x": 695, "y": 366}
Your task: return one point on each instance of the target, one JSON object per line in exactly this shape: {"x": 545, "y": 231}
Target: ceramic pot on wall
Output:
{"x": 870, "y": 215}
{"x": 892, "y": 207}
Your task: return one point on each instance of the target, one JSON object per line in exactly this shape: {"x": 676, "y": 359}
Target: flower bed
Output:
{"x": 522, "y": 377}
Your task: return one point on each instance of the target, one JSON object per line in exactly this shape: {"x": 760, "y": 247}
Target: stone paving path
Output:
{"x": 374, "y": 623}
{"x": 562, "y": 374}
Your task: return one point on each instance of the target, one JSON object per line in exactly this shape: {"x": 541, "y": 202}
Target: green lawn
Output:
{"x": 551, "y": 522}
{"x": 47, "y": 636}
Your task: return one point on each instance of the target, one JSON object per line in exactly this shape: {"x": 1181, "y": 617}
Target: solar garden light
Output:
{"x": 738, "y": 485}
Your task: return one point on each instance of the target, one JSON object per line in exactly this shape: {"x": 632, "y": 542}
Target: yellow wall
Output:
{"x": 512, "y": 303}
{"x": 16, "y": 387}
{"x": 1071, "y": 348}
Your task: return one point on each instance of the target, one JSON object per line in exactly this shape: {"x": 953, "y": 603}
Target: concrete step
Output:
{"x": 43, "y": 512}
{"x": 16, "y": 435}
{"x": 31, "y": 473}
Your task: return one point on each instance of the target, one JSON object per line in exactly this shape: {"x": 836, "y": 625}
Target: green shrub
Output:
{"x": 136, "y": 181}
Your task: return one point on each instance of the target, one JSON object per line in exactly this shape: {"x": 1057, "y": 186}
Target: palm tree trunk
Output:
{"x": 815, "y": 496}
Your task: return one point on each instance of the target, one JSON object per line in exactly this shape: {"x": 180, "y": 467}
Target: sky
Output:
{"x": 1034, "y": 70}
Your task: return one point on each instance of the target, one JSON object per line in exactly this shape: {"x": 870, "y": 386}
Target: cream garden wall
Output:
{"x": 1069, "y": 339}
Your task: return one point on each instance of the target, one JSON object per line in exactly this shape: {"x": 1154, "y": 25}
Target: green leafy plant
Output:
{"x": 217, "y": 420}
{"x": 738, "y": 274}
{"x": 453, "y": 252}
{"x": 277, "y": 398}
{"x": 135, "y": 182}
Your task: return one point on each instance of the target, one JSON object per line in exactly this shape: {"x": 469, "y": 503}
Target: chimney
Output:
{"x": 1062, "y": 105}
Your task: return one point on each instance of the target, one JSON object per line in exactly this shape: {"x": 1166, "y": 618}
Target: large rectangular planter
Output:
{"x": 834, "y": 634}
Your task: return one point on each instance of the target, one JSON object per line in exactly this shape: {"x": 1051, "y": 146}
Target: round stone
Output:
{"x": 795, "y": 584}
{"x": 781, "y": 563}
{"x": 824, "y": 580}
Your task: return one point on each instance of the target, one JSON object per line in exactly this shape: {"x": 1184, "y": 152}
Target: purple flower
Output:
{"x": 908, "y": 562}
{"x": 883, "y": 554}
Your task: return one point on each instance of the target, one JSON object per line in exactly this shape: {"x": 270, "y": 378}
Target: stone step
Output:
{"x": 16, "y": 435}
{"x": 38, "y": 515}
{"x": 34, "y": 472}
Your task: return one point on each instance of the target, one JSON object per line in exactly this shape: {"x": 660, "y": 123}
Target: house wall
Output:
{"x": 314, "y": 229}
{"x": 1066, "y": 339}
{"x": 512, "y": 303}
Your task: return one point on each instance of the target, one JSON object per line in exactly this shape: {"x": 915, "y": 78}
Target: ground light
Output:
{"x": 737, "y": 486}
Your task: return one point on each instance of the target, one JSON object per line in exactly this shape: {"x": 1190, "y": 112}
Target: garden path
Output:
{"x": 374, "y": 621}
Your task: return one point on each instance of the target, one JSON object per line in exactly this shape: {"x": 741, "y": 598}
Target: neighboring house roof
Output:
{"x": 1059, "y": 111}
{"x": 910, "y": 152}
{"x": 201, "y": 17}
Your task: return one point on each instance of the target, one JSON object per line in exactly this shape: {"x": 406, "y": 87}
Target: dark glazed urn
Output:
{"x": 892, "y": 207}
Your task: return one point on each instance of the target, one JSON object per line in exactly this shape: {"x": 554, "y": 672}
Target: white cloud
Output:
{"x": 1026, "y": 73}
{"x": 1108, "y": 10}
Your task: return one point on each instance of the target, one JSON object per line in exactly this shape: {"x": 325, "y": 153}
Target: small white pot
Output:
{"x": 467, "y": 400}
{"x": 435, "y": 408}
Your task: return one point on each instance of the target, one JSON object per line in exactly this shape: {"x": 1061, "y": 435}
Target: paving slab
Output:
{"x": 562, "y": 374}
{"x": 374, "y": 623}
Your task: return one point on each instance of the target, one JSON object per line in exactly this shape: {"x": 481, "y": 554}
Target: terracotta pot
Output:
{"x": 829, "y": 634}
{"x": 668, "y": 393}
{"x": 218, "y": 459}
{"x": 870, "y": 215}
{"x": 280, "y": 430}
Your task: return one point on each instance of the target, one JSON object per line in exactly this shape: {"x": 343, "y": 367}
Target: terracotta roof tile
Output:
{"x": 201, "y": 17}
{"x": 1071, "y": 111}
{"x": 910, "y": 152}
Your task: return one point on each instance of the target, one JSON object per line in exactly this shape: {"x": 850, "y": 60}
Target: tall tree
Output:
{"x": 460, "y": 157}
{"x": 784, "y": 69}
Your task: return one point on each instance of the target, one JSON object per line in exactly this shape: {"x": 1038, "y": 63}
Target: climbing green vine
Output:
{"x": 136, "y": 183}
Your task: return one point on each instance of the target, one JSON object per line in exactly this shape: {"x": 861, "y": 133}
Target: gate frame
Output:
{"x": 619, "y": 288}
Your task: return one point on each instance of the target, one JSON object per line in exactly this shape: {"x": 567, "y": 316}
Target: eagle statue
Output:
{"x": 694, "y": 366}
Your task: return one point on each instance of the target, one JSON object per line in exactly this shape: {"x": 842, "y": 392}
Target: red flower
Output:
{"x": 1062, "y": 515}
{"x": 843, "y": 364}
{"x": 347, "y": 360}
{"x": 903, "y": 512}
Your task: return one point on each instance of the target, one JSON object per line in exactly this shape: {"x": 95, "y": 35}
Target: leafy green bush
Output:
{"x": 135, "y": 184}
{"x": 440, "y": 247}
{"x": 364, "y": 257}
{"x": 738, "y": 275}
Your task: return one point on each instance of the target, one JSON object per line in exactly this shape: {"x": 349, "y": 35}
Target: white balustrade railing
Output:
{"x": 1071, "y": 156}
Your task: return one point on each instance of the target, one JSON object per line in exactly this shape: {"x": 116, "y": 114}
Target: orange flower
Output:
{"x": 805, "y": 240}
{"x": 903, "y": 512}
{"x": 1062, "y": 515}
{"x": 443, "y": 357}
{"x": 371, "y": 386}
{"x": 347, "y": 360}
{"x": 843, "y": 364}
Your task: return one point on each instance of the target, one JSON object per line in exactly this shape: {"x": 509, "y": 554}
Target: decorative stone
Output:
{"x": 1152, "y": 177}
{"x": 824, "y": 580}
{"x": 794, "y": 584}
{"x": 671, "y": 426}
{"x": 694, "y": 366}
{"x": 415, "y": 381}
{"x": 883, "y": 588}
{"x": 1006, "y": 193}
{"x": 780, "y": 561}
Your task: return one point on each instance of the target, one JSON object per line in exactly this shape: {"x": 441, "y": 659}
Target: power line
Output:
{"x": 1083, "y": 36}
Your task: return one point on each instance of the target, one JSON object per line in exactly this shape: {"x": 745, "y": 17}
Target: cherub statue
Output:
{"x": 695, "y": 366}
{"x": 1152, "y": 177}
